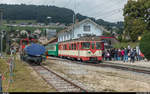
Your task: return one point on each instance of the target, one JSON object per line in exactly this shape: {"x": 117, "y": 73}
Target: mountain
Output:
{"x": 41, "y": 13}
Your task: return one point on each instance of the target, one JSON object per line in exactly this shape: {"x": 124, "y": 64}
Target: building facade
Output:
{"x": 80, "y": 29}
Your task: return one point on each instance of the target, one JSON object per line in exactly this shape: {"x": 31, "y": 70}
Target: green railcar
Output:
{"x": 52, "y": 49}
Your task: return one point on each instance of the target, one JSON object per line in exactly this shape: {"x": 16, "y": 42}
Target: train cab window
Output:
{"x": 98, "y": 45}
{"x": 85, "y": 45}
{"x": 93, "y": 45}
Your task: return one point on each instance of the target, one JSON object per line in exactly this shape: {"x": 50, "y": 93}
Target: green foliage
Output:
{"x": 125, "y": 44}
{"x": 137, "y": 18}
{"x": 37, "y": 12}
{"x": 120, "y": 38}
{"x": 145, "y": 45}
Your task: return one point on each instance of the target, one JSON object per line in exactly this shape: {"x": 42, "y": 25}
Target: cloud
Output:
{"x": 109, "y": 10}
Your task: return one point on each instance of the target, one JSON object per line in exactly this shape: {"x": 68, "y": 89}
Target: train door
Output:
{"x": 78, "y": 48}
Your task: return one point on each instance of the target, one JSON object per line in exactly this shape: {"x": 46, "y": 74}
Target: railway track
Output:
{"x": 132, "y": 68}
{"x": 58, "y": 82}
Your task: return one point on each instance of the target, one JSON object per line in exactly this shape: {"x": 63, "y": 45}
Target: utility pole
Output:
{"x": 1, "y": 17}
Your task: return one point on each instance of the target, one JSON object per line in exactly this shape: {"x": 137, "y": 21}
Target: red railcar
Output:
{"x": 85, "y": 49}
{"x": 24, "y": 42}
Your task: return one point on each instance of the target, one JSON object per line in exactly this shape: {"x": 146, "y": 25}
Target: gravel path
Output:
{"x": 102, "y": 79}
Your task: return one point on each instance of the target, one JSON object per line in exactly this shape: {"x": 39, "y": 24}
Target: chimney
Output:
{"x": 76, "y": 21}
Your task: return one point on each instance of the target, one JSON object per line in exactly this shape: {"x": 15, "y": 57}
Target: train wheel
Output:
{"x": 38, "y": 62}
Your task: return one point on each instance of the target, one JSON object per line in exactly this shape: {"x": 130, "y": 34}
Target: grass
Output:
{"x": 20, "y": 21}
{"x": 125, "y": 44}
{"x": 24, "y": 80}
{"x": 6, "y": 28}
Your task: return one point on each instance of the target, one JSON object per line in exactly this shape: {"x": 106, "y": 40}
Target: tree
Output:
{"x": 145, "y": 45}
{"x": 137, "y": 18}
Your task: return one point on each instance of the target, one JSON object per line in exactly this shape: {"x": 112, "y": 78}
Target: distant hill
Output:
{"x": 40, "y": 14}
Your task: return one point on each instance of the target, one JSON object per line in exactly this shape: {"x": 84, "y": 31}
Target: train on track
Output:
{"x": 30, "y": 51}
{"x": 82, "y": 49}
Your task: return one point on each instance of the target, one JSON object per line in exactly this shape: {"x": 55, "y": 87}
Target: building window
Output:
{"x": 79, "y": 35}
{"x": 86, "y": 27}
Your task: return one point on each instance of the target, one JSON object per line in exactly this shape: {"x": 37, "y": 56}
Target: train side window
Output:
{"x": 69, "y": 46}
{"x": 65, "y": 46}
{"x": 75, "y": 46}
{"x": 72, "y": 46}
{"x": 78, "y": 46}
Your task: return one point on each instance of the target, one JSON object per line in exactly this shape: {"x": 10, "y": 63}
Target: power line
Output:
{"x": 108, "y": 12}
{"x": 112, "y": 14}
{"x": 104, "y": 7}
{"x": 93, "y": 7}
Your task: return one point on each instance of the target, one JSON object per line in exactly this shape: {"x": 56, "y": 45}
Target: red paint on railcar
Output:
{"x": 77, "y": 46}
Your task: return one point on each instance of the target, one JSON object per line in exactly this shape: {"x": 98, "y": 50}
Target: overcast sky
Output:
{"x": 109, "y": 10}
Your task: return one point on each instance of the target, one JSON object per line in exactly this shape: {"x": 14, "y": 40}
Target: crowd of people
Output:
{"x": 123, "y": 54}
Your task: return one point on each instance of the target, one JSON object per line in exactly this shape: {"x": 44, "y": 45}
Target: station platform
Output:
{"x": 136, "y": 63}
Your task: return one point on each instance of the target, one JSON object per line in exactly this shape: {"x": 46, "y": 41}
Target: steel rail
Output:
{"x": 66, "y": 80}
{"x": 36, "y": 69}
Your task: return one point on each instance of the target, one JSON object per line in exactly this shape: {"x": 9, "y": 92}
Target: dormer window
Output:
{"x": 86, "y": 28}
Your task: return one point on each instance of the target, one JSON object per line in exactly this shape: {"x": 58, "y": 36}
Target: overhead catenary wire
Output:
{"x": 114, "y": 13}
{"x": 104, "y": 7}
{"x": 108, "y": 12}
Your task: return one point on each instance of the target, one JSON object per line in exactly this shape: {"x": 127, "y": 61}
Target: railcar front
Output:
{"x": 82, "y": 50}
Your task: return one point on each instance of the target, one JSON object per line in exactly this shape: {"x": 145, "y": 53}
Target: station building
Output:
{"x": 80, "y": 29}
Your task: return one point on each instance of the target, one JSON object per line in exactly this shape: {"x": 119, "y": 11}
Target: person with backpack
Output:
{"x": 125, "y": 59}
{"x": 122, "y": 54}
{"x": 133, "y": 54}
{"x": 119, "y": 55}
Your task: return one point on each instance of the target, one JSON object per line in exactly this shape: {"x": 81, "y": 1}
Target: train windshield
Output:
{"x": 93, "y": 45}
{"x": 86, "y": 45}
{"x": 98, "y": 45}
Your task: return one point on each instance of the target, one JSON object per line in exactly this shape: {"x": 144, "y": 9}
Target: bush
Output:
{"x": 145, "y": 45}
{"x": 120, "y": 38}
